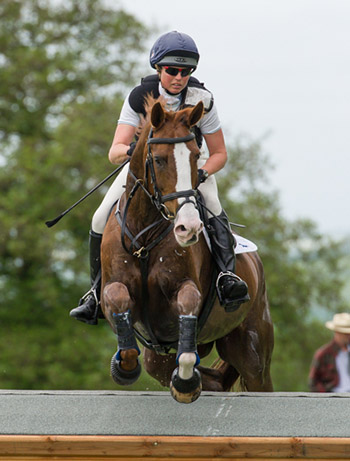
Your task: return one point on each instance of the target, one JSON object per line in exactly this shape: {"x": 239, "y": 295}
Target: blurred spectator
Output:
{"x": 330, "y": 368}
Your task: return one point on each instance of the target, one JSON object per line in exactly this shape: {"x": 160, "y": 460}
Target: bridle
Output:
{"x": 158, "y": 199}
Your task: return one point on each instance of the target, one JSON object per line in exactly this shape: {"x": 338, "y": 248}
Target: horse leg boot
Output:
{"x": 186, "y": 384}
{"x": 232, "y": 290}
{"x": 88, "y": 308}
{"x": 125, "y": 367}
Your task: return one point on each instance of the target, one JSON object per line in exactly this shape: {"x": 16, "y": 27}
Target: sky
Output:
{"x": 280, "y": 73}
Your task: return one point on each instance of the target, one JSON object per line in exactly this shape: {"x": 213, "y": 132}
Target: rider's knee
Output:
{"x": 98, "y": 221}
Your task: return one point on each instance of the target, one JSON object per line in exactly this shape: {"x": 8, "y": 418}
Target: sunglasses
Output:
{"x": 174, "y": 71}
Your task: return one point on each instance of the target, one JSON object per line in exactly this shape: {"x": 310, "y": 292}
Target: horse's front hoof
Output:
{"x": 124, "y": 377}
{"x": 186, "y": 390}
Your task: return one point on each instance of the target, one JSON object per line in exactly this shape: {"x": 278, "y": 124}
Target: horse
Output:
{"x": 158, "y": 275}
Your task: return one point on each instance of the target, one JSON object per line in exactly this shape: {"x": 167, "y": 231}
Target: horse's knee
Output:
{"x": 116, "y": 299}
{"x": 189, "y": 299}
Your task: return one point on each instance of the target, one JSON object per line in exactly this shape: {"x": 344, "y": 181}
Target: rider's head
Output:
{"x": 175, "y": 56}
{"x": 174, "y": 49}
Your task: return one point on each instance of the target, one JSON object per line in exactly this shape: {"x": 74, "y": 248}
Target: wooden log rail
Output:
{"x": 103, "y": 448}
{"x": 115, "y": 425}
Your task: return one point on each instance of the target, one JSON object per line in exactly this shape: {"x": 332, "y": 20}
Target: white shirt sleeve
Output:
{"x": 127, "y": 115}
{"x": 210, "y": 122}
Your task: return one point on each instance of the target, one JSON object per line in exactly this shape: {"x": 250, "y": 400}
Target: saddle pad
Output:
{"x": 244, "y": 245}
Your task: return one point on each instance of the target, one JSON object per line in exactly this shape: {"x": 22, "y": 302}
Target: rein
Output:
{"x": 142, "y": 252}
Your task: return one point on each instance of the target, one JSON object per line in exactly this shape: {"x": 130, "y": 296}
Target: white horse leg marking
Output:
{"x": 187, "y": 361}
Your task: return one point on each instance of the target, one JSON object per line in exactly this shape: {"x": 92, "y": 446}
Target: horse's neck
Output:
{"x": 140, "y": 210}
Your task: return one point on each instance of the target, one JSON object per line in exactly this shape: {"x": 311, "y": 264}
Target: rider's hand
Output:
{"x": 131, "y": 149}
{"x": 202, "y": 176}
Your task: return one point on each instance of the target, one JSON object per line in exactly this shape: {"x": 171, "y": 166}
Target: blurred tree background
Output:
{"x": 65, "y": 70}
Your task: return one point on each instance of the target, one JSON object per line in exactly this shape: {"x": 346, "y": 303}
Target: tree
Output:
{"x": 304, "y": 269}
{"x": 63, "y": 69}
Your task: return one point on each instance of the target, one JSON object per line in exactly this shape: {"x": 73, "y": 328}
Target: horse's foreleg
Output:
{"x": 125, "y": 367}
{"x": 186, "y": 382}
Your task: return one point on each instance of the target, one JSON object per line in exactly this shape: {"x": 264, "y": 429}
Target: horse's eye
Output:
{"x": 196, "y": 156}
{"x": 160, "y": 161}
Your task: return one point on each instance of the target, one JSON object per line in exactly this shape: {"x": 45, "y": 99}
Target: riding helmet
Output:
{"x": 174, "y": 49}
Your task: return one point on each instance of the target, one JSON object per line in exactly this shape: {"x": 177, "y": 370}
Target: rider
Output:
{"x": 175, "y": 57}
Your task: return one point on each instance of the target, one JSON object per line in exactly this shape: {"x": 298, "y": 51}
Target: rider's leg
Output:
{"x": 232, "y": 291}
{"x": 88, "y": 308}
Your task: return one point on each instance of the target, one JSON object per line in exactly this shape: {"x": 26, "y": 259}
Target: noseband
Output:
{"x": 158, "y": 199}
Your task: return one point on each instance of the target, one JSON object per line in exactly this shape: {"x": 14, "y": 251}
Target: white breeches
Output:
{"x": 208, "y": 189}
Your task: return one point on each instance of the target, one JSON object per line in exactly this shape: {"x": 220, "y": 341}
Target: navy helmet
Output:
{"x": 174, "y": 49}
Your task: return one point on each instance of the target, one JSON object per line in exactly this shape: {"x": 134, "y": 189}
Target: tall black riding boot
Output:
{"x": 87, "y": 310}
{"x": 232, "y": 290}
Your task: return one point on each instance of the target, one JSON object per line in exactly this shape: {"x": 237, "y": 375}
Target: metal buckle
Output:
{"x": 141, "y": 253}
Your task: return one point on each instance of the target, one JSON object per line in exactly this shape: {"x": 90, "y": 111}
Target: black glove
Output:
{"x": 131, "y": 149}
{"x": 202, "y": 176}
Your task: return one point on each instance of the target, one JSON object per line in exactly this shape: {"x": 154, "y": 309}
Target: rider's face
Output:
{"x": 173, "y": 84}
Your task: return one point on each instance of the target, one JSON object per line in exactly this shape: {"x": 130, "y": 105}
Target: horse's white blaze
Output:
{"x": 183, "y": 166}
{"x": 188, "y": 223}
{"x": 187, "y": 361}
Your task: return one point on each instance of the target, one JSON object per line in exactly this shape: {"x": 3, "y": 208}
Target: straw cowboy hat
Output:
{"x": 340, "y": 323}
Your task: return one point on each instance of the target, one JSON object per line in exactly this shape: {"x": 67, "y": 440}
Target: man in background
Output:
{"x": 330, "y": 368}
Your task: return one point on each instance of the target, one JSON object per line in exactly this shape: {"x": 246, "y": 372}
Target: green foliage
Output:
{"x": 304, "y": 270}
{"x": 64, "y": 70}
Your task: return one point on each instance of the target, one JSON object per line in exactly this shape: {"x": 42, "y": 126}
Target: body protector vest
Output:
{"x": 190, "y": 96}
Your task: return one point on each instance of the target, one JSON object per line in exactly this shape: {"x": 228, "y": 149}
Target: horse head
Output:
{"x": 172, "y": 155}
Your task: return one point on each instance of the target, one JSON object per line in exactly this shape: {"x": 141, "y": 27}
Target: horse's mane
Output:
{"x": 145, "y": 121}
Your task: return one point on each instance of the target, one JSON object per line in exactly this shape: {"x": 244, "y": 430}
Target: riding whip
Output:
{"x": 55, "y": 221}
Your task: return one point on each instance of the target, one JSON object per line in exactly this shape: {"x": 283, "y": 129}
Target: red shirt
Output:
{"x": 323, "y": 375}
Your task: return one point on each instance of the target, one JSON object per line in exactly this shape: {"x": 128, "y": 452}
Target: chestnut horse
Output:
{"x": 158, "y": 275}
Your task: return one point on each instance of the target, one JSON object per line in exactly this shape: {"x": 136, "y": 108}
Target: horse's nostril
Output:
{"x": 181, "y": 228}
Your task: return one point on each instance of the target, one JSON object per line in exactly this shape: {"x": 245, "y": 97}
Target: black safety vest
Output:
{"x": 190, "y": 96}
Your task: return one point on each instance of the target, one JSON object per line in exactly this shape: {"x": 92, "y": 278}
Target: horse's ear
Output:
{"x": 196, "y": 113}
{"x": 157, "y": 115}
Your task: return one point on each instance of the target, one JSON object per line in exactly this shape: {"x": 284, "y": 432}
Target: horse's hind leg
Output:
{"x": 125, "y": 367}
{"x": 249, "y": 351}
{"x": 160, "y": 367}
{"x": 219, "y": 378}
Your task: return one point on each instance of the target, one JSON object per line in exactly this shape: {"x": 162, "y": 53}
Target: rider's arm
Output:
{"x": 217, "y": 152}
{"x": 123, "y": 136}
{"x": 128, "y": 122}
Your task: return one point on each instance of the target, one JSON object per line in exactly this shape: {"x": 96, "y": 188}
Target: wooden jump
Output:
{"x": 73, "y": 425}
{"x": 90, "y": 448}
